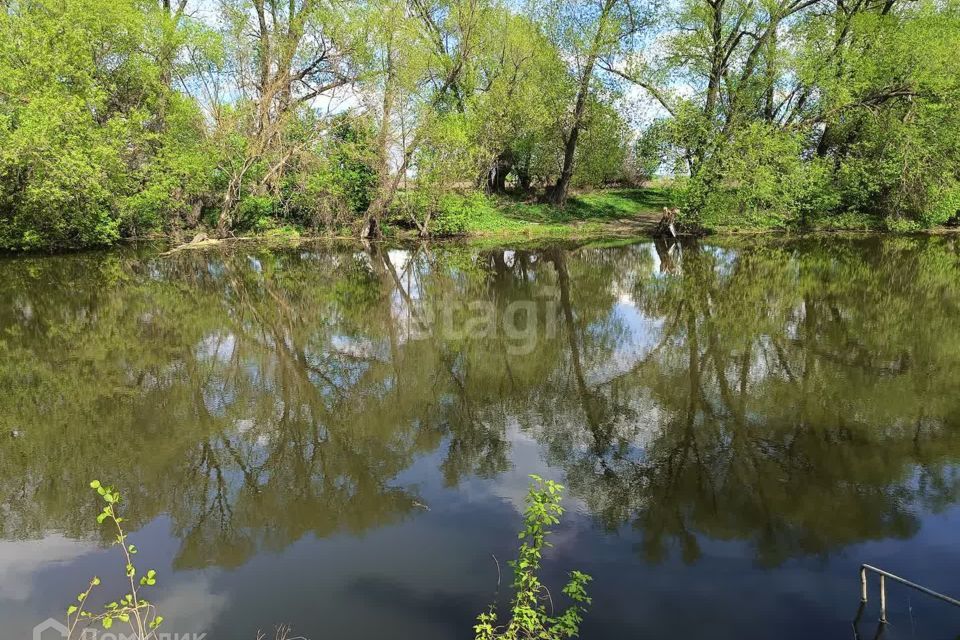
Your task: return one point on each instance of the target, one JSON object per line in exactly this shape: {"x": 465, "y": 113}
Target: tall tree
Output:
{"x": 586, "y": 31}
{"x": 287, "y": 54}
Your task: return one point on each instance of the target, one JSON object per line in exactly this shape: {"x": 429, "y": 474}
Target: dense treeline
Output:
{"x": 136, "y": 116}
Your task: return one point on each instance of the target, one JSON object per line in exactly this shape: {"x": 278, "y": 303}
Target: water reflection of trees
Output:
{"x": 794, "y": 395}
{"x": 800, "y": 398}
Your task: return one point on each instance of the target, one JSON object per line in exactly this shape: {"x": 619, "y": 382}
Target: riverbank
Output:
{"x": 479, "y": 218}
{"x": 598, "y": 213}
{"x": 610, "y": 214}
{"x": 601, "y": 213}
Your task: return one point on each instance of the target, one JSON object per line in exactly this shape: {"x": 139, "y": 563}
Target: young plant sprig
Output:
{"x": 131, "y": 609}
{"x": 529, "y": 617}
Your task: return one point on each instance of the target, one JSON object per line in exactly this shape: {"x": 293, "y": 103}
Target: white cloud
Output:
{"x": 191, "y": 606}
{"x": 20, "y": 560}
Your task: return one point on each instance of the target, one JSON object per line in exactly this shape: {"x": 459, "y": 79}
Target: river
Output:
{"x": 339, "y": 438}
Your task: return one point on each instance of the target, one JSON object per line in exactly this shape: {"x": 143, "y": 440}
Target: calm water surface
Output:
{"x": 339, "y": 438}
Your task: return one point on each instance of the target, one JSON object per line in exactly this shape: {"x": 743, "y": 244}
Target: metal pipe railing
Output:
{"x": 883, "y": 589}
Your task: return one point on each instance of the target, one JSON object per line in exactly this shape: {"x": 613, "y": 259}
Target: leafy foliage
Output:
{"x": 529, "y": 613}
{"x": 812, "y": 113}
{"x": 131, "y": 118}
{"x": 131, "y": 609}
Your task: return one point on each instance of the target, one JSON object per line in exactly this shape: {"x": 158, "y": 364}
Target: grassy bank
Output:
{"x": 588, "y": 214}
{"x": 603, "y": 214}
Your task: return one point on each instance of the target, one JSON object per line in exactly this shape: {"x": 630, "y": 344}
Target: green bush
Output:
{"x": 322, "y": 198}
{"x": 759, "y": 180}
{"x": 177, "y": 179}
{"x": 602, "y": 150}
{"x": 336, "y": 186}
{"x": 454, "y": 212}
{"x": 530, "y": 616}
{"x": 649, "y": 151}
{"x": 255, "y": 213}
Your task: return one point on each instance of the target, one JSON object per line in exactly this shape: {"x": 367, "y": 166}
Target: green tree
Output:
{"x": 587, "y": 32}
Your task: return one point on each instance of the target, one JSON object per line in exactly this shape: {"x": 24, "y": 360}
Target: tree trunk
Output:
{"x": 717, "y": 63}
{"x": 497, "y": 176}
{"x": 770, "y": 77}
{"x": 266, "y": 92}
{"x": 196, "y": 210}
{"x": 558, "y": 193}
{"x": 523, "y": 176}
{"x": 371, "y": 227}
{"x": 385, "y": 187}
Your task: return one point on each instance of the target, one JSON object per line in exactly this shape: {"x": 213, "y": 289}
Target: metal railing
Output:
{"x": 883, "y": 589}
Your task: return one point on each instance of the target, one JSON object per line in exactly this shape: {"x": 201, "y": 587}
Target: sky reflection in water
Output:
{"x": 339, "y": 438}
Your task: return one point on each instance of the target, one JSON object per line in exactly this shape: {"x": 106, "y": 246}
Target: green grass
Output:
{"x": 585, "y": 214}
{"x": 611, "y": 204}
